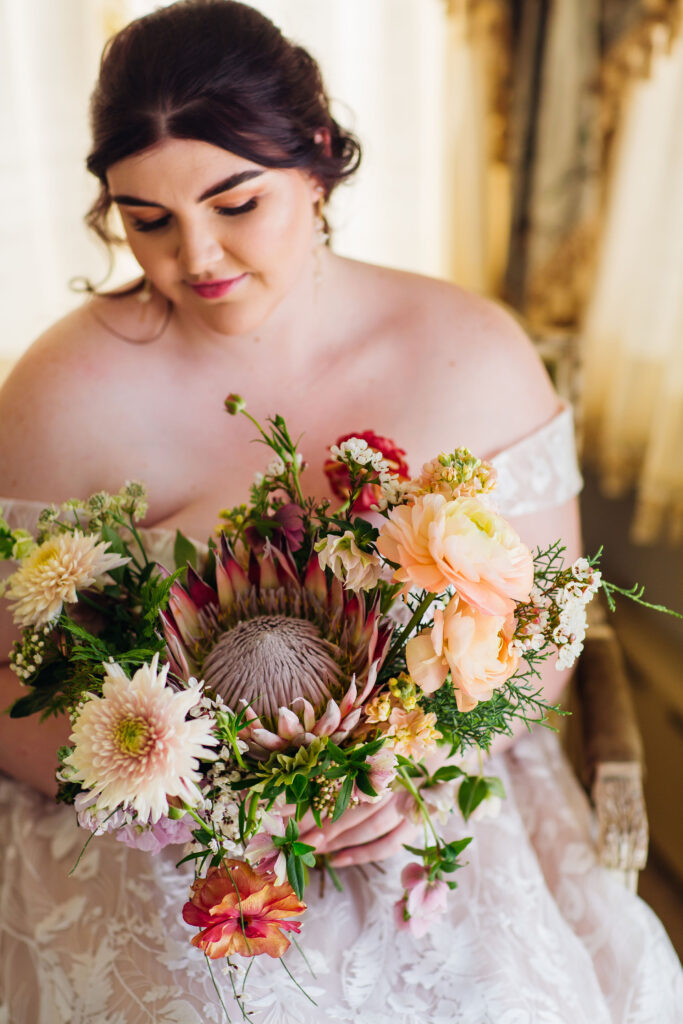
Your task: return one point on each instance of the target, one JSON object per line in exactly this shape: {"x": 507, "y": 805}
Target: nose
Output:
{"x": 199, "y": 249}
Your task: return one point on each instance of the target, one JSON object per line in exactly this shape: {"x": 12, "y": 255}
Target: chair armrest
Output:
{"x": 612, "y": 754}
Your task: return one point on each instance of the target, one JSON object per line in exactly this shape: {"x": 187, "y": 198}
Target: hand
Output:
{"x": 368, "y": 832}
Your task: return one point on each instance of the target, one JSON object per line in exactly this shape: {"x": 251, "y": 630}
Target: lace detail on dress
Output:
{"x": 536, "y": 932}
{"x": 540, "y": 471}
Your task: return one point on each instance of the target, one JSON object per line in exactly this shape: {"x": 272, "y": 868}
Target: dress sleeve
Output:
{"x": 541, "y": 470}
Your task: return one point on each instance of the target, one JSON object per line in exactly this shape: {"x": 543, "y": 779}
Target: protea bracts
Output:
{"x": 301, "y": 654}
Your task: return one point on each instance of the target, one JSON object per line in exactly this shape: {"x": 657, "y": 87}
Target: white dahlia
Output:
{"x": 134, "y": 745}
{"x": 54, "y": 572}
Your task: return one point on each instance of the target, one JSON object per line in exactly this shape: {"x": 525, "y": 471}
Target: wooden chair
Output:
{"x": 602, "y": 736}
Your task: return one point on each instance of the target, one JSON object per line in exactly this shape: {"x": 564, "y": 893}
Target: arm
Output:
{"x": 42, "y": 457}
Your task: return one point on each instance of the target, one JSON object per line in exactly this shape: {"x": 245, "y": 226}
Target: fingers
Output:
{"x": 380, "y": 849}
{"x": 383, "y": 821}
{"x": 322, "y": 838}
{"x": 306, "y": 824}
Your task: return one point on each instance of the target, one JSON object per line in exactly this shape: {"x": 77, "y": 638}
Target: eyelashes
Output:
{"x": 223, "y": 211}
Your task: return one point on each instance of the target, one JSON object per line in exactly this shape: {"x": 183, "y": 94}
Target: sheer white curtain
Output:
{"x": 633, "y": 335}
{"x": 384, "y": 62}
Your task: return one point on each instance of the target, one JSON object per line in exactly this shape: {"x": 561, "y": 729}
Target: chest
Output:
{"x": 195, "y": 458}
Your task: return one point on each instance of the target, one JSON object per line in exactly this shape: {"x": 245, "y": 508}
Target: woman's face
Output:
{"x": 224, "y": 238}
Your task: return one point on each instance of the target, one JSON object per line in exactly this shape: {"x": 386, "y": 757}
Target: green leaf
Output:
{"x": 364, "y": 784}
{"x": 495, "y": 786}
{"x": 301, "y": 848}
{"x": 336, "y": 753}
{"x": 343, "y": 797}
{"x": 447, "y": 773}
{"x": 451, "y": 851}
{"x": 184, "y": 551}
{"x": 414, "y": 849}
{"x": 299, "y": 786}
{"x": 295, "y": 874}
{"x": 114, "y": 540}
{"x": 472, "y": 791}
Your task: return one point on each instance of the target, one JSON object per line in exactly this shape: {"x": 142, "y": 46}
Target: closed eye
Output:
{"x": 224, "y": 211}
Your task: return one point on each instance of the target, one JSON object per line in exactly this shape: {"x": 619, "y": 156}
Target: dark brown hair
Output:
{"x": 220, "y": 72}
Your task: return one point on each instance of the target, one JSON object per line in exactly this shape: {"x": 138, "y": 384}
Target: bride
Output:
{"x": 212, "y": 135}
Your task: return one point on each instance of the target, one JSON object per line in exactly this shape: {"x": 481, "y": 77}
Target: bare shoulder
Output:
{"x": 56, "y": 407}
{"x": 470, "y": 367}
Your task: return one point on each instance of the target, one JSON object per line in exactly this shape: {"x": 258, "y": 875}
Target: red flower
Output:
{"x": 338, "y": 474}
{"x": 241, "y": 911}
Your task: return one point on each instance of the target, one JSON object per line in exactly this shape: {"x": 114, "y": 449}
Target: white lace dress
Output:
{"x": 536, "y": 932}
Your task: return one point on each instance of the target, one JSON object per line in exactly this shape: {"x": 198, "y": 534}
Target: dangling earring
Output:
{"x": 322, "y": 236}
{"x": 145, "y": 293}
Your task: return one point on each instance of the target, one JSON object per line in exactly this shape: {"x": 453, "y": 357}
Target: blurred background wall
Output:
{"x": 531, "y": 150}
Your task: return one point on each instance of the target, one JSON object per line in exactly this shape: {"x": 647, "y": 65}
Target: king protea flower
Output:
{"x": 241, "y": 911}
{"x": 53, "y": 573}
{"x": 301, "y": 654}
{"x": 135, "y": 747}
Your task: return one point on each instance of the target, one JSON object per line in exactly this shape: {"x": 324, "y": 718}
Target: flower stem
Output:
{"x": 415, "y": 618}
{"x": 408, "y": 783}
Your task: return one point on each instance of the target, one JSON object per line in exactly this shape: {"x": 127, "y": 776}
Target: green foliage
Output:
{"x": 184, "y": 551}
{"x": 298, "y": 856}
{"x": 476, "y": 788}
{"x": 441, "y": 858}
{"x": 517, "y": 698}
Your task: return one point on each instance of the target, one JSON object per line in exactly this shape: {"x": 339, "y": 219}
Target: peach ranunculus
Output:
{"x": 241, "y": 911}
{"x": 460, "y": 543}
{"x": 475, "y": 647}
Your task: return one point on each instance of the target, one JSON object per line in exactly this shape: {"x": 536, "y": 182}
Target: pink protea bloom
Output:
{"x": 262, "y": 852}
{"x": 134, "y": 746}
{"x": 300, "y": 652}
{"x": 422, "y": 901}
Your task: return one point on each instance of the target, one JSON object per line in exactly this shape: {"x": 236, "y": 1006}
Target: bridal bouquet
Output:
{"x": 311, "y": 658}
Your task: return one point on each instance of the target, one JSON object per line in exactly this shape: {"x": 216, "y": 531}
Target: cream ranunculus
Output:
{"x": 460, "y": 543}
{"x": 474, "y": 647}
{"x": 359, "y": 570}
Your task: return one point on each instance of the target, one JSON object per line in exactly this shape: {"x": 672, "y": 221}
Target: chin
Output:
{"x": 227, "y": 319}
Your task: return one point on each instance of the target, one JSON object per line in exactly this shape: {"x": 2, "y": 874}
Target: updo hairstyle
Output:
{"x": 220, "y": 72}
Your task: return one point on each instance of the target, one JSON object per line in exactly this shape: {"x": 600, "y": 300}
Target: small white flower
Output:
{"x": 275, "y": 467}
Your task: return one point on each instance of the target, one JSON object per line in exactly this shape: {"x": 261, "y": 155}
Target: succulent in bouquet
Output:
{"x": 313, "y": 656}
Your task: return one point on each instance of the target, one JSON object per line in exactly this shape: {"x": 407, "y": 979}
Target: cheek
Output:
{"x": 281, "y": 237}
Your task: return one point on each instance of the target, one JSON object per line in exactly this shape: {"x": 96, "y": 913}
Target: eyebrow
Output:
{"x": 222, "y": 186}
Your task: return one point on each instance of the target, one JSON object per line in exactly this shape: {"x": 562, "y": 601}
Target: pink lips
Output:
{"x": 216, "y": 289}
